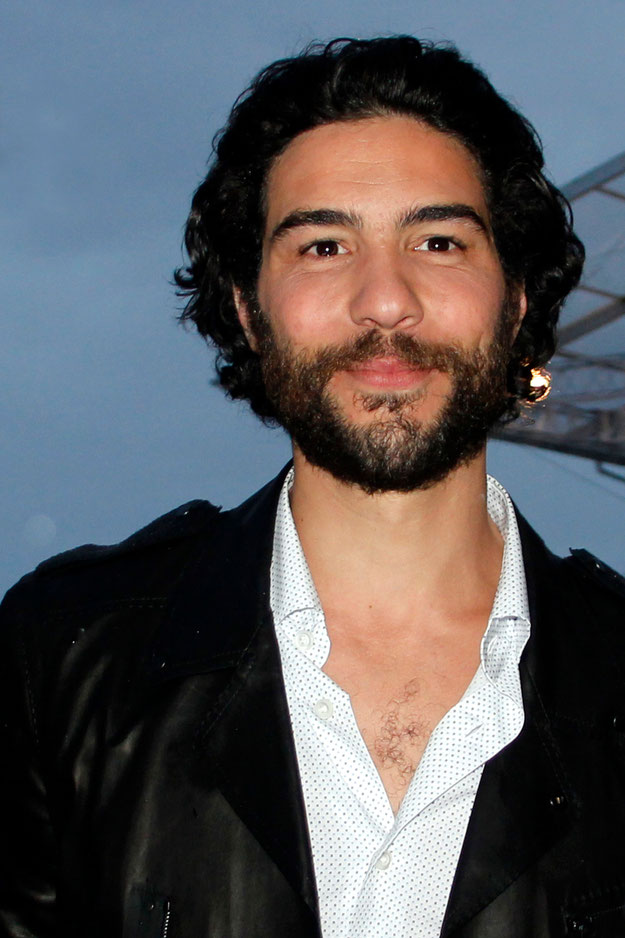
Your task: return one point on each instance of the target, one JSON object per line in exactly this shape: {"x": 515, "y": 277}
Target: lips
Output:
{"x": 389, "y": 372}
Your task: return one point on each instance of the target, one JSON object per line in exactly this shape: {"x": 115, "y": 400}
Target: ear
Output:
{"x": 244, "y": 317}
{"x": 521, "y": 301}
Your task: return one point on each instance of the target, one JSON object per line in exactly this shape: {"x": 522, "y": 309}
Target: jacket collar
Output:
{"x": 223, "y": 593}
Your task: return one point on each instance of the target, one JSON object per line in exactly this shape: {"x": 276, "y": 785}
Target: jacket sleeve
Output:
{"x": 28, "y": 851}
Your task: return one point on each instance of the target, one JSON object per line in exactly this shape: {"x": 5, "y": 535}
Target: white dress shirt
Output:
{"x": 381, "y": 875}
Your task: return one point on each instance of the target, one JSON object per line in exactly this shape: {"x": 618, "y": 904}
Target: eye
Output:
{"x": 324, "y": 249}
{"x": 438, "y": 244}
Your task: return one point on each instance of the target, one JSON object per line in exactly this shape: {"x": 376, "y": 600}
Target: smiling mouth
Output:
{"x": 389, "y": 372}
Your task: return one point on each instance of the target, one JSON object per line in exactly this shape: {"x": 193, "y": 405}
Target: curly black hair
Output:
{"x": 349, "y": 79}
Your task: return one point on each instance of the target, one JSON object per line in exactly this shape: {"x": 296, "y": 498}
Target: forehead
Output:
{"x": 372, "y": 162}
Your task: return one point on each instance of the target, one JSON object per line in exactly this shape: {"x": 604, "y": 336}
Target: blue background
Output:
{"x": 107, "y": 112}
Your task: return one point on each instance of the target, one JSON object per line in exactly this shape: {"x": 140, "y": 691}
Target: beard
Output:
{"x": 395, "y": 451}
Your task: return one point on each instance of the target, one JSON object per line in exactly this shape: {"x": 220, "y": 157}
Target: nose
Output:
{"x": 385, "y": 296}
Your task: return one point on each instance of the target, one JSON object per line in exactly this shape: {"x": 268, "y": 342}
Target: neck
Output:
{"x": 398, "y": 551}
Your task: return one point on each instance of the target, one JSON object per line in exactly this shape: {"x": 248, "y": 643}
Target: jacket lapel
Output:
{"x": 220, "y": 620}
{"x": 524, "y": 804}
{"x": 252, "y": 747}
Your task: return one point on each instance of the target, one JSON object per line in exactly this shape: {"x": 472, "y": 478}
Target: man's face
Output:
{"x": 385, "y": 319}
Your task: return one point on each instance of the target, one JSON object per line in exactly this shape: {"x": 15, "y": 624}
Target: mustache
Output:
{"x": 285, "y": 371}
{"x": 410, "y": 351}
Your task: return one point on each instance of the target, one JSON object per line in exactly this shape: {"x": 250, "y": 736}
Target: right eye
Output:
{"x": 324, "y": 249}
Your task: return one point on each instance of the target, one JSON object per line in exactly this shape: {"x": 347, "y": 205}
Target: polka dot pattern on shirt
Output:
{"x": 380, "y": 874}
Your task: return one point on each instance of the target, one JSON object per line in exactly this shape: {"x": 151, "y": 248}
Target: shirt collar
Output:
{"x": 293, "y": 592}
{"x": 509, "y": 622}
{"x": 292, "y": 587}
{"x": 511, "y": 596}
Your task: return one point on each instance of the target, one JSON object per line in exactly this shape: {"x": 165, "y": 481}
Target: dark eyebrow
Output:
{"x": 450, "y": 212}
{"x": 319, "y": 216}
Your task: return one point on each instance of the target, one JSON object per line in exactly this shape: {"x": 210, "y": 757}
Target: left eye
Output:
{"x": 325, "y": 249}
{"x": 438, "y": 244}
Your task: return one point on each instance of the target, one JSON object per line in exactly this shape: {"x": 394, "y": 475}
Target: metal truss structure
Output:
{"x": 584, "y": 415}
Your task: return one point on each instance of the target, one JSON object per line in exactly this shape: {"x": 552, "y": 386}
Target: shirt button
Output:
{"x": 303, "y": 640}
{"x": 384, "y": 861}
{"x": 324, "y": 709}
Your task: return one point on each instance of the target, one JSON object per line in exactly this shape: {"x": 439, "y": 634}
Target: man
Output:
{"x": 368, "y": 702}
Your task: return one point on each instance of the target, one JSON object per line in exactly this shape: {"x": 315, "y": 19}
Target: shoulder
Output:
{"x": 579, "y": 565}
{"x": 147, "y": 566}
{"x": 143, "y": 565}
{"x": 577, "y": 588}
{"x": 120, "y": 596}
{"x": 180, "y": 523}
{"x": 596, "y": 576}
{"x": 105, "y": 601}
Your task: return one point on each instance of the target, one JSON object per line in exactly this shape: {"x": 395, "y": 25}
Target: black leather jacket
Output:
{"x": 149, "y": 785}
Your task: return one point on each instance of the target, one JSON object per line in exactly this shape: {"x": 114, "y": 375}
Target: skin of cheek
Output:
{"x": 307, "y": 310}
{"x": 468, "y": 314}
